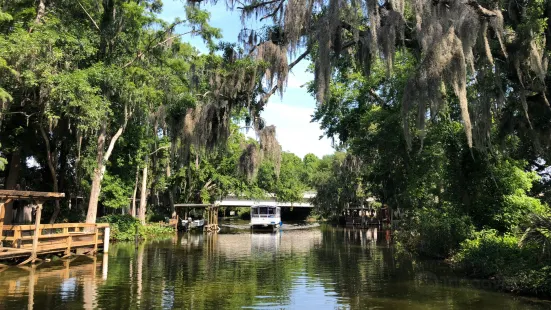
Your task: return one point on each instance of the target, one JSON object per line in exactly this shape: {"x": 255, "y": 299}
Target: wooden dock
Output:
{"x": 30, "y": 241}
{"x": 211, "y": 220}
{"x": 66, "y": 239}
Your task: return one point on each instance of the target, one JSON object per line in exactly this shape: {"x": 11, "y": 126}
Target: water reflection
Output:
{"x": 245, "y": 245}
{"x": 52, "y": 283}
{"x": 321, "y": 268}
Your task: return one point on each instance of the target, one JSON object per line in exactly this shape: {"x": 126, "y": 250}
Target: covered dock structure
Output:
{"x": 28, "y": 242}
{"x": 211, "y": 224}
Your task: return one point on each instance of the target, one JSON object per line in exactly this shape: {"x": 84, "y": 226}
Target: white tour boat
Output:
{"x": 265, "y": 216}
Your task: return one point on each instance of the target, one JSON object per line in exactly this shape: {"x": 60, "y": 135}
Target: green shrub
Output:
{"x": 154, "y": 230}
{"x": 488, "y": 254}
{"x": 538, "y": 233}
{"x": 432, "y": 232}
{"x": 155, "y": 218}
{"x": 498, "y": 257}
{"x": 123, "y": 227}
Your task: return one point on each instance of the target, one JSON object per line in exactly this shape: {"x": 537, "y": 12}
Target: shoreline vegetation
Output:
{"x": 508, "y": 262}
{"x": 128, "y": 228}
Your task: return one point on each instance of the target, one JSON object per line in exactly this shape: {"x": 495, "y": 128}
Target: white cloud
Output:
{"x": 294, "y": 82}
{"x": 294, "y": 130}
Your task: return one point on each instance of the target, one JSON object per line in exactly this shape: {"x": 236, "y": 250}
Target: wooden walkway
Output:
{"x": 65, "y": 239}
{"x": 29, "y": 241}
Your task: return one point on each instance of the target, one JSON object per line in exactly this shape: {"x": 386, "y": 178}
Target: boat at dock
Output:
{"x": 197, "y": 224}
{"x": 265, "y": 216}
{"x": 191, "y": 224}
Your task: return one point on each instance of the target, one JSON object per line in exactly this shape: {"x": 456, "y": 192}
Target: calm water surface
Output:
{"x": 322, "y": 268}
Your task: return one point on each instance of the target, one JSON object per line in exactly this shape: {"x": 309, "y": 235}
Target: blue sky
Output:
{"x": 291, "y": 114}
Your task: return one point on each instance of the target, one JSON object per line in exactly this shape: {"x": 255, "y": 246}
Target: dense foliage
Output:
{"x": 128, "y": 228}
{"x": 445, "y": 191}
{"x": 499, "y": 257}
{"x": 106, "y": 102}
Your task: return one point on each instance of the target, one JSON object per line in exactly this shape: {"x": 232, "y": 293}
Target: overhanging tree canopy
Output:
{"x": 493, "y": 48}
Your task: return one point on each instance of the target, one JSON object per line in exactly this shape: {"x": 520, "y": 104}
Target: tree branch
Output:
{"x": 274, "y": 12}
{"x": 40, "y": 12}
{"x": 141, "y": 53}
{"x": 90, "y": 17}
{"x": 481, "y": 10}
{"x": 112, "y": 144}
{"x": 299, "y": 58}
{"x": 257, "y": 5}
{"x": 376, "y": 97}
{"x": 161, "y": 148}
{"x": 48, "y": 152}
{"x": 291, "y": 65}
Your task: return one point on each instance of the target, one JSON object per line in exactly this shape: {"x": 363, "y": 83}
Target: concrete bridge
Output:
{"x": 233, "y": 201}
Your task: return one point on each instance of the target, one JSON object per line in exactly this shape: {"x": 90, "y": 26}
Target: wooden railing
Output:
{"x": 53, "y": 237}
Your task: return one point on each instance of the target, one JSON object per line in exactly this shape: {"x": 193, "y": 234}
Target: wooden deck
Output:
{"x": 28, "y": 242}
{"x": 66, "y": 239}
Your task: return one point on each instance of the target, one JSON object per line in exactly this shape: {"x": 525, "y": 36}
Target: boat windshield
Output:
{"x": 264, "y": 211}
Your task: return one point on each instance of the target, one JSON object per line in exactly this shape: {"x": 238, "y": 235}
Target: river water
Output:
{"x": 320, "y": 268}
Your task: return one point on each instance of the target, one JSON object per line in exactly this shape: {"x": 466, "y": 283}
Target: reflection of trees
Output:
{"x": 357, "y": 264}
{"x": 231, "y": 271}
{"x": 63, "y": 282}
{"x": 192, "y": 271}
{"x": 206, "y": 271}
{"x": 364, "y": 272}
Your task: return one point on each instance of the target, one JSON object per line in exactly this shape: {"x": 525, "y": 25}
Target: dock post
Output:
{"x": 36, "y": 230}
{"x": 106, "y": 233}
{"x": 2, "y": 213}
{"x": 96, "y": 239}
{"x": 17, "y": 238}
{"x": 3, "y": 203}
{"x": 69, "y": 245}
{"x": 104, "y": 266}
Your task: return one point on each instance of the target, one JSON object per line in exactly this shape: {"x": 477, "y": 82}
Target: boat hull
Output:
{"x": 266, "y": 222}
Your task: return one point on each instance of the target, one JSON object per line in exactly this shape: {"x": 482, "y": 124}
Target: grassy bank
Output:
{"x": 515, "y": 261}
{"x": 125, "y": 228}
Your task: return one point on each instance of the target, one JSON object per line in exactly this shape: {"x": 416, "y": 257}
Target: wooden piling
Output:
{"x": 106, "y": 233}
{"x": 69, "y": 241}
{"x": 96, "y": 238}
{"x": 37, "y": 229}
{"x": 2, "y": 215}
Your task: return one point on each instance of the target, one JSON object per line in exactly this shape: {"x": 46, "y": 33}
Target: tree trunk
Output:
{"x": 40, "y": 12}
{"x": 152, "y": 191}
{"x": 11, "y": 182}
{"x": 99, "y": 171}
{"x": 133, "y": 210}
{"x": 170, "y": 191}
{"x": 143, "y": 194}
{"x": 51, "y": 165}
